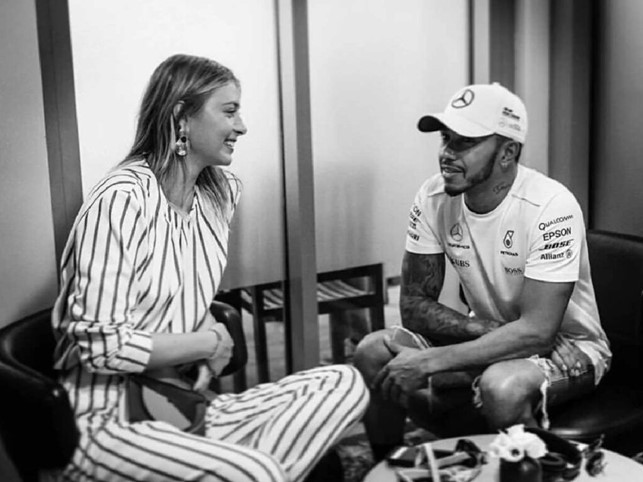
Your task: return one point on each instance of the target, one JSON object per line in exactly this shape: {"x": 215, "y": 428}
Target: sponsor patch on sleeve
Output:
{"x": 557, "y": 240}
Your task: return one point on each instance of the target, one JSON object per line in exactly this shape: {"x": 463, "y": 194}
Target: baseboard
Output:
{"x": 393, "y": 281}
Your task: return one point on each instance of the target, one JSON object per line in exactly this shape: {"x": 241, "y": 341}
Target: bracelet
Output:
{"x": 218, "y": 335}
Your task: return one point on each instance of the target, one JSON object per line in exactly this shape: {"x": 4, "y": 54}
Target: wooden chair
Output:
{"x": 337, "y": 291}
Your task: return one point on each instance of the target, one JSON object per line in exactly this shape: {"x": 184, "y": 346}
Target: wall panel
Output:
{"x": 617, "y": 198}
{"x": 27, "y": 253}
{"x": 117, "y": 44}
{"x": 376, "y": 67}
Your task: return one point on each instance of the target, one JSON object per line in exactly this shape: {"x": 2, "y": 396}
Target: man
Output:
{"x": 516, "y": 240}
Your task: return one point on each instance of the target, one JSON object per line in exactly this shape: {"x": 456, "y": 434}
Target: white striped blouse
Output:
{"x": 132, "y": 266}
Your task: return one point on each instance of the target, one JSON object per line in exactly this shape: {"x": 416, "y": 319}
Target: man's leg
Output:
{"x": 512, "y": 391}
{"x": 446, "y": 407}
{"x": 384, "y": 420}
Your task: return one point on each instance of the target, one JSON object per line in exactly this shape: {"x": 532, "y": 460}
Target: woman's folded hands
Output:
{"x": 214, "y": 365}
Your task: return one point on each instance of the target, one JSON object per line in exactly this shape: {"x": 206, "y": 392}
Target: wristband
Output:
{"x": 218, "y": 335}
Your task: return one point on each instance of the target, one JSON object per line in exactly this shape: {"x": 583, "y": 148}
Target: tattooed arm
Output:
{"x": 422, "y": 280}
{"x": 534, "y": 333}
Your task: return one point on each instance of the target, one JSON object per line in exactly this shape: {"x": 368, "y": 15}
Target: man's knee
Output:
{"x": 508, "y": 391}
{"x": 372, "y": 354}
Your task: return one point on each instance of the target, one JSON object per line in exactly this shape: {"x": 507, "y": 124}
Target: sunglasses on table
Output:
{"x": 595, "y": 457}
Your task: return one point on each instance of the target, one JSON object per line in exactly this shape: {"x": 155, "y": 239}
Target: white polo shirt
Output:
{"x": 536, "y": 232}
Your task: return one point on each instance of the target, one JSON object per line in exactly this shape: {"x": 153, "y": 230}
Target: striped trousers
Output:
{"x": 272, "y": 432}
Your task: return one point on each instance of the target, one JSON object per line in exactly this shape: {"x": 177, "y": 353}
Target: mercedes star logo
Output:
{"x": 464, "y": 100}
{"x": 456, "y": 232}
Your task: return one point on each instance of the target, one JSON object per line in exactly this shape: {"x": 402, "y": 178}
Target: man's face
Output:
{"x": 466, "y": 162}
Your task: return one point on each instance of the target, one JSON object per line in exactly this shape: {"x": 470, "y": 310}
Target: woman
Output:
{"x": 141, "y": 266}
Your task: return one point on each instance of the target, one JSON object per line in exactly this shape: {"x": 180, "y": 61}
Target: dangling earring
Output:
{"x": 181, "y": 146}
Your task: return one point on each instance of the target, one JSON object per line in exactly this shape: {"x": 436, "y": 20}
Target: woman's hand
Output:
{"x": 223, "y": 352}
{"x": 214, "y": 365}
{"x": 203, "y": 377}
{"x": 224, "y": 344}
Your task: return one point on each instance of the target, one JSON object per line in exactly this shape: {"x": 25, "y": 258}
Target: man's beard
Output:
{"x": 478, "y": 178}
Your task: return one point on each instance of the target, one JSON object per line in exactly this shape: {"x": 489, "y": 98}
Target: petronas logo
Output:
{"x": 508, "y": 241}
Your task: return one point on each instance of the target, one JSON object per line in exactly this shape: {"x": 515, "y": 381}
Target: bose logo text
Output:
{"x": 557, "y": 244}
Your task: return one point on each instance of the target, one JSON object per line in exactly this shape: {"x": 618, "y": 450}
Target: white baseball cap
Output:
{"x": 480, "y": 110}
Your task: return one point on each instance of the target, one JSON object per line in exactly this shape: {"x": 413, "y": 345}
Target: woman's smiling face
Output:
{"x": 213, "y": 131}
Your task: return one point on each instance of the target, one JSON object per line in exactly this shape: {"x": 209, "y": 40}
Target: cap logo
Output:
{"x": 464, "y": 100}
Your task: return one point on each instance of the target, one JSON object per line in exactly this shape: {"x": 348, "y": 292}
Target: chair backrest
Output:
{"x": 617, "y": 274}
{"x": 230, "y": 317}
{"x": 37, "y": 422}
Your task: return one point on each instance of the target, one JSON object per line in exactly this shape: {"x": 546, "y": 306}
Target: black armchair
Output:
{"x": 37, "y": 423}
{"x": 615, "y": 408}
{"x": 231, "y": 318}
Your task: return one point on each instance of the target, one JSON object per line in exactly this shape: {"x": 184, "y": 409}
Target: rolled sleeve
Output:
{"x": 106, "y": 349}
{"x": 101, "y": 327}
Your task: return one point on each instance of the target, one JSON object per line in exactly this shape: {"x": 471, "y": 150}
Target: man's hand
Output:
{"x": 402, "y": 375}
{"x": 567, "y": 356}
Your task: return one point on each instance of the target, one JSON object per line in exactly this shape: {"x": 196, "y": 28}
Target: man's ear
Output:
{"x": 510, "y": 152}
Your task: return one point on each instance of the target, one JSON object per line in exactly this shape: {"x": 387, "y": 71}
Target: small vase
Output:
{"x": 525, "y": 470}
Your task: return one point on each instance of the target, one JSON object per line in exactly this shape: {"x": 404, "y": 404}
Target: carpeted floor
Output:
{"x": 356, "y": 455}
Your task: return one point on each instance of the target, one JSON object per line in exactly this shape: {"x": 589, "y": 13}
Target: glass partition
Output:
{"x": 376, "y": 67}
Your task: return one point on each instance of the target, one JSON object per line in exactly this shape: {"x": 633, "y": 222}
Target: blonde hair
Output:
{"x": 189, "y": 81}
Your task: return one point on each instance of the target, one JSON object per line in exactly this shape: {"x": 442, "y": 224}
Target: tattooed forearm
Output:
{"x": 422, "y": 280}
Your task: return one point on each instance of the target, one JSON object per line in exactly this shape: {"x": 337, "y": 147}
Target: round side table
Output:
{"x": 618, "y": 467}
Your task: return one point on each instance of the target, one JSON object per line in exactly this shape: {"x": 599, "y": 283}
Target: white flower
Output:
{"x": 515, "y": 443}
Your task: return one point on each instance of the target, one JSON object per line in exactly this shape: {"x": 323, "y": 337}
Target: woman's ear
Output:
{"x": 177, "y": 110}
{"x": 180, "y": 121}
